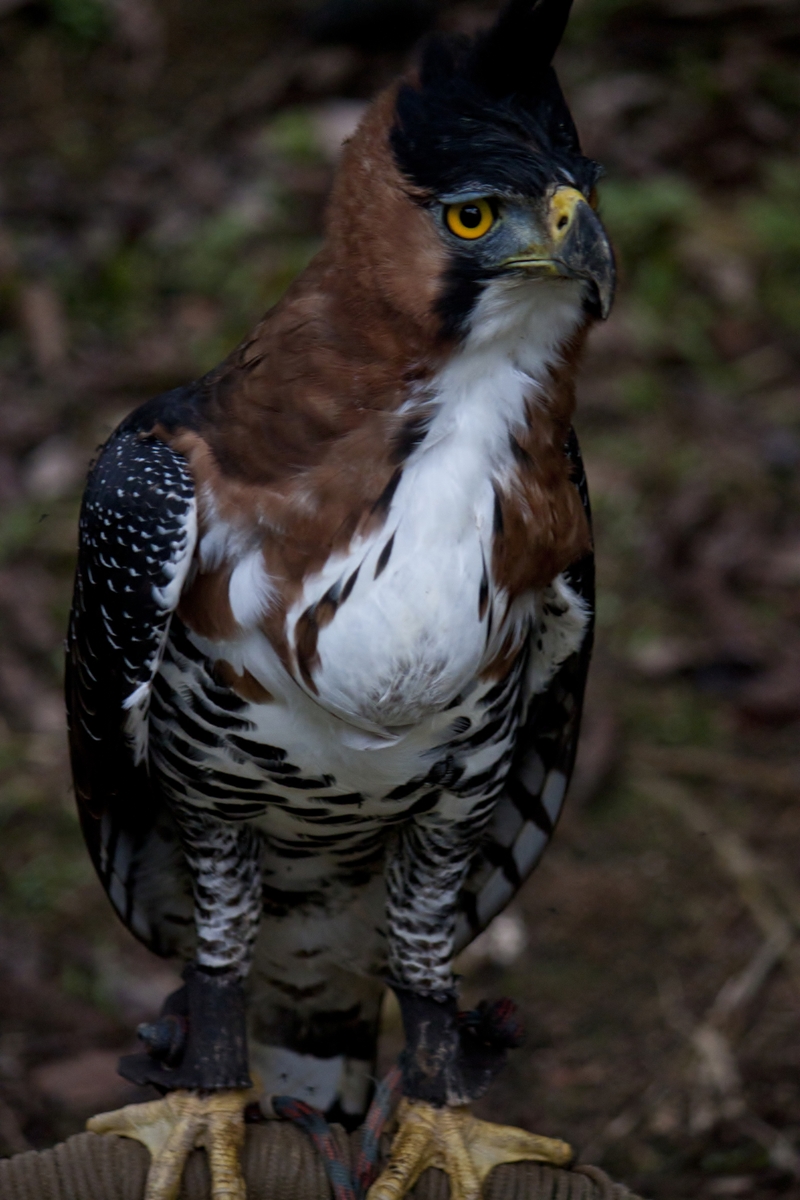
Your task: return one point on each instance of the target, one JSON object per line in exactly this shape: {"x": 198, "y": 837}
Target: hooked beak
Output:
{"x": 577, "y": 247}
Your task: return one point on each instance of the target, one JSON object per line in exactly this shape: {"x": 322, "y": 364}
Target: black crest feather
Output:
{"x": 489, "y": 113}
{"x": 512, "y": 56}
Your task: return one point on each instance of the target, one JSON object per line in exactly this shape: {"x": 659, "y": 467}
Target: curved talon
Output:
{"x": 463, "y": 1146}
{"x": 172, "y": 1127}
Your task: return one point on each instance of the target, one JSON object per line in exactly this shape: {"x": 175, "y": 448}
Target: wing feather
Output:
{"x": 138, "y": 530}
{"x": 529, "y": 807}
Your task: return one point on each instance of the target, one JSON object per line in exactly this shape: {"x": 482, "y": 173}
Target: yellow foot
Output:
{"x": 172, "y": 1127}
{"x": 459, "y": 1144}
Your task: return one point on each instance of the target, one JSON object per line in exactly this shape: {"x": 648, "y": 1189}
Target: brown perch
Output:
{"x": 279, "y": 1163}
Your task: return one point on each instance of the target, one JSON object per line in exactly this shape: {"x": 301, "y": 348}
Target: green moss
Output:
{"x": 644, "y": 215}
{"x": 641, "y": 391}
{"x": 19, "y": 526}
{"x": 292, "y": 135}
{"x": 589, "y": 20}
{"x": 83, "y": 983}
{"x": 772, "y": 214}
{"x": 85, "y": 20}
{"x": 770, "y": 217}
{"x": 673, "y": 715}
{"x": 748, "y": 1156}
{"x": 47, "y": 879}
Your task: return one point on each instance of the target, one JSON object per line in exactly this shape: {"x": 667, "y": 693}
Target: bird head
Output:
{"x": 468, "y": 175}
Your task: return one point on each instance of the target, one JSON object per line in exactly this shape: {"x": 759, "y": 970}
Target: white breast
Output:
{"x": 412, "y": 634}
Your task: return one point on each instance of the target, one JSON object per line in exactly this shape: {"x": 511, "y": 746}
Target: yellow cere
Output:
{"x": 563, "y": 203}
{"x": 470, "y": 219}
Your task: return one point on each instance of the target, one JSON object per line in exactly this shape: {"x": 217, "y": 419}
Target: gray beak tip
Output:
{"x": 587, "y": 252}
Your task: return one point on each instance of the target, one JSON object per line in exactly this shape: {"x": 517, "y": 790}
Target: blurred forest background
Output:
{"x": 164, "y": 166}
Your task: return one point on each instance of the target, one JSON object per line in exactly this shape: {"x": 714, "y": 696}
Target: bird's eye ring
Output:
{"x": 470, "y": 219}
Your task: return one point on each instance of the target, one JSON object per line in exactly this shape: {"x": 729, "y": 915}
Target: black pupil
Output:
{"x": 471, "y": 216}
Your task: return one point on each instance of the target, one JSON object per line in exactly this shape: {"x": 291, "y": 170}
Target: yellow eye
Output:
{"x": 470, "y": 219}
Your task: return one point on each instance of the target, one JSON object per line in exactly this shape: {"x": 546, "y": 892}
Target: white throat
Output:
{"x": 518, "y": 331}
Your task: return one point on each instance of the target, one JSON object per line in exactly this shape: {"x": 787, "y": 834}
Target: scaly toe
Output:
{"x": 172, "y": 1127}
{"x": 489, "y": 1145}
{"x": 463, "y": 1146}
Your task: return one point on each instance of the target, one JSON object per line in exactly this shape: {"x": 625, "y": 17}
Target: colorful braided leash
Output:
{"x": 383, "y": 1104}
{"x": 346, "y": 1186}
{"x": 493, "y": 1023}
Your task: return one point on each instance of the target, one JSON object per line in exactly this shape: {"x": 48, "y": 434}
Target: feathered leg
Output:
{"x": 447, "y": 1062}
{"x": 197, "y": 1052}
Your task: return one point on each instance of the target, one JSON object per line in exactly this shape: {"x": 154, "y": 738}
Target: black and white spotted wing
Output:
{"x": 533, "y": 796}
{"x": 137, "y": 536}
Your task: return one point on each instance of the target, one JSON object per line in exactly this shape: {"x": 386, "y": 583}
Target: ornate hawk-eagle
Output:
{"x": 332, "y": 621}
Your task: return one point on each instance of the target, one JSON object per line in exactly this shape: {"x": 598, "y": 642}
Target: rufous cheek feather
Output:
{"x": 381, "y": 234}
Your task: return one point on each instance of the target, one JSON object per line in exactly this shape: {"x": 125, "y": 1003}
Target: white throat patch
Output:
{"x": 517, "y": 333}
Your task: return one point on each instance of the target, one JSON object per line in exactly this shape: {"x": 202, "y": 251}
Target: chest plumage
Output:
{"x": 332, "y": 614}
{"x": 428, "y": 596}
